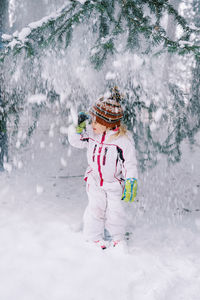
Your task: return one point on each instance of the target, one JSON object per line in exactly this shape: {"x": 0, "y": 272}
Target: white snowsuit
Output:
{"x": 110, "y": 161}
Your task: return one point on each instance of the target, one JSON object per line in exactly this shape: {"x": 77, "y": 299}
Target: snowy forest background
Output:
{"x": 56, "y": 58}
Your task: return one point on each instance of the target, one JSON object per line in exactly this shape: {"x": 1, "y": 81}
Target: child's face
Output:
{"x": 98, "y": 128}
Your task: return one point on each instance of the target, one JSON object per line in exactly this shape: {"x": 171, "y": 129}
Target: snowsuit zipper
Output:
{"x": 104, "y": 157}
{"x": 98, "y": 158}
{"x": 93, "y": 156}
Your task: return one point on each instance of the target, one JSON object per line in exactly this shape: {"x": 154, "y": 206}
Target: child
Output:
{"x": 111, "y": 175}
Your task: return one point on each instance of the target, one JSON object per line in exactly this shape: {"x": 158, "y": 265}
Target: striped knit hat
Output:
{"x": 108, "y": 112}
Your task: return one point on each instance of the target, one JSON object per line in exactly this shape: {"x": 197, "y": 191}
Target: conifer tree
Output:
{"x": 194, "y": 110}
{"x": 138, "y": 20}
{"x": 3, "y": 115}
{"x": 139, "y": 24}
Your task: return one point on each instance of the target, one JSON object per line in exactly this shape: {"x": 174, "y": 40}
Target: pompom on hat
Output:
{"x": 108, "y": 111}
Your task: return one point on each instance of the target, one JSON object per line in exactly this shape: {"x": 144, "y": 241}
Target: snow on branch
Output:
{"x": 112, "y": 19}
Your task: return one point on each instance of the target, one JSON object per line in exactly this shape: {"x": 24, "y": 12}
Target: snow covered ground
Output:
{"x": 42, "y": 252}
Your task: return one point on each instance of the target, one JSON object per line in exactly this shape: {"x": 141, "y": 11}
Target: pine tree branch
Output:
{"x": 58, "y": 28}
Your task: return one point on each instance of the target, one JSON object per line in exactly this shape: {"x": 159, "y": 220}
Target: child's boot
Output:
{"x": 102, "y": 244}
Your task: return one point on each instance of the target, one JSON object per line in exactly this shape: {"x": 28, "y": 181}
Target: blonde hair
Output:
{"x": 122, "y": 131}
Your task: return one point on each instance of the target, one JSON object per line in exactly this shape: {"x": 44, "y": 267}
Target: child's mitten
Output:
{"x": 82, "y": 117}
{"x": 130, "y": 190}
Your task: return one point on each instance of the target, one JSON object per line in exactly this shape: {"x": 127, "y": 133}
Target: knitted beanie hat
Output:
{"x": 108, "y": 112}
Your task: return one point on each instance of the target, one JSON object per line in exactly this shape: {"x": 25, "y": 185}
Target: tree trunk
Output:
{"x": 171, "y": 33}
{"x": 3, "y": 116}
